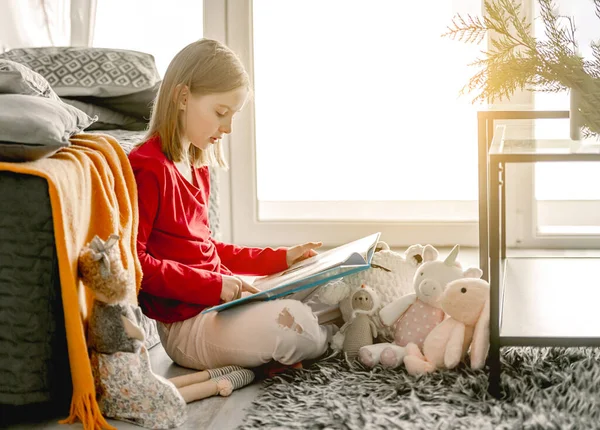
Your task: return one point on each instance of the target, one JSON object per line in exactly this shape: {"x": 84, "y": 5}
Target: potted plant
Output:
{"x": 516, "y": 60}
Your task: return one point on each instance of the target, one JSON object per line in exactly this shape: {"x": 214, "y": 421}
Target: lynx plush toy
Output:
{"x": 126, "y": 387}
{"x": 414, "y": 315}
{"x": 390, "y": 276}
{"x": 467, "y": 302}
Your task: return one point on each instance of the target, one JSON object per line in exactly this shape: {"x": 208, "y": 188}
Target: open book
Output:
{"x": 303, "y": 278}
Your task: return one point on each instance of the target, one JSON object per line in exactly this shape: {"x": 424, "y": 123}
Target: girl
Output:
{"x": 185, "y": 269}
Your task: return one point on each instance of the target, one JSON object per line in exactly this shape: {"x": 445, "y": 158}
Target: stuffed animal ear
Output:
{"x": 430, "y": 253}
{"x": 473, "y": 272}
{"x": 481, "y": 338}
{"x": 414, "y": 254}
{"x": 382, "y": 246}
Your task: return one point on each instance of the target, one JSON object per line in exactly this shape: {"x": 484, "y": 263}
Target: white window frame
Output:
{"x": 238, "y": 188}
{"x": 230, "y": 22}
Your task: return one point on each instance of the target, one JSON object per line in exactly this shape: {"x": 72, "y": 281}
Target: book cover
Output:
{"x": 304, "y": 278}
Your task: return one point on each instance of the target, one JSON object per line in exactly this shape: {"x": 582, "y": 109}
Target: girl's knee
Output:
{"x": 297, "y": 317}
{"x": 301, "y": 336}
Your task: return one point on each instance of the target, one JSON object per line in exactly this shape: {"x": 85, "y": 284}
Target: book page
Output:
{"x": 304, "y": 278}
{"x": 350, "y": 254}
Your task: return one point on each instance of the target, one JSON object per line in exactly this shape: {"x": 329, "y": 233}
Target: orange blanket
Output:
{"x": 92, "y": 192}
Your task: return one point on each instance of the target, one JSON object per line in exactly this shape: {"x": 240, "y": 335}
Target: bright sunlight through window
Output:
{"x": 360, "y": 100}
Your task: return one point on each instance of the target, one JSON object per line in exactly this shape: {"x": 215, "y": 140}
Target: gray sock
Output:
{"x": 214, "y": 373}
{"x": 238, "y": 378}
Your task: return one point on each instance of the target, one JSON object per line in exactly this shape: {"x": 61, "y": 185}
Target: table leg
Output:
{"x": 483, "y": 195}
{"x": 503, "y": 210}
{"x": 494, "y": 280}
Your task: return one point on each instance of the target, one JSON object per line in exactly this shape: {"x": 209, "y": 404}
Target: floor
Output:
{"x": 213, "y": 413}
{"x": 220, "y": 413}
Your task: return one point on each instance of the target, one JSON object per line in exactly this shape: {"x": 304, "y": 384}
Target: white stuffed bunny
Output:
{"x": 467, "y": 302}
{"x": 415, "y": 315}
{"x": 390, "y": 276}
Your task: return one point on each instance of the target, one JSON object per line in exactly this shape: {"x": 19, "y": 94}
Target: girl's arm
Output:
{"x": 166, "y": 278}
{"x": 251, "y": 261}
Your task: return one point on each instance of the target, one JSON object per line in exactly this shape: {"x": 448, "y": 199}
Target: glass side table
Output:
{"x": 486, "y": 123}
{"x": 536, "y": 301}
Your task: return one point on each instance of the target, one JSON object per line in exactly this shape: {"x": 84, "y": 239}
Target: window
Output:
{"x": 357, "y": 125}
{"x": 566, "y": 200}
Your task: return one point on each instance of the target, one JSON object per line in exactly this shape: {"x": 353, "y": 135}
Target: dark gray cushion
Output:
{"x": 15, "y": 78}
{"x": 82, "y": 71}
{"x": 108, "y": 119}
{"x": 137, "y": 104}
{"x": 33, "y": 127}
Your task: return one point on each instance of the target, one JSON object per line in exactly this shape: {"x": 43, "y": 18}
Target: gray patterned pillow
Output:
{"x": 15, "y": 78}
{"x": 80, "y": 71}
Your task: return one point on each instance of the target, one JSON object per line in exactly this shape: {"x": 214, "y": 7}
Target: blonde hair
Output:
{"x": 204, "y": 67}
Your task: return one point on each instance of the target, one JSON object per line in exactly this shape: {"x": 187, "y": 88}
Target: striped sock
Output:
{"x": 238, "y": 378}
{"x": 214, "y": 373}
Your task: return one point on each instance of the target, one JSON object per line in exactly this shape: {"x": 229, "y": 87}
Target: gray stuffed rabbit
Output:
{"x": 361, "y": 329}
{"x": 126, "y": 387}
{"x": 112, "y": 325}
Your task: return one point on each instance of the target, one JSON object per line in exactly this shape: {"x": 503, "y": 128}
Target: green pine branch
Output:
{"x": 515, "y": 60}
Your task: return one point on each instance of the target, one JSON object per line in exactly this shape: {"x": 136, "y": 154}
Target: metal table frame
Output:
{"x": 492, "y": 221}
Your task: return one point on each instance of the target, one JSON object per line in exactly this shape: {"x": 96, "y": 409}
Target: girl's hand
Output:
{"x": 233, "y": 287}
{"x": 301, "y": 252}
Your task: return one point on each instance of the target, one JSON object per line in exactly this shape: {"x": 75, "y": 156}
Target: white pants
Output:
{"x": 250, "y": 335}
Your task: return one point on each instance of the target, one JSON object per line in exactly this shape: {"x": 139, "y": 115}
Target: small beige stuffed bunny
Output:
{"x": 361, "y": 329}
{"x": 467, "y": 302}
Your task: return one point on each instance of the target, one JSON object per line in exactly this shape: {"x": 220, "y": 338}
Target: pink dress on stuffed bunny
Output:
{"x": 416, "y": 323}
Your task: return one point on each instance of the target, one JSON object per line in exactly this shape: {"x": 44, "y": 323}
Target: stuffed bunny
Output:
{"x": 361, "y": 329}
{"x": 390, "y": 276}
{"x": 467, "y": 302}
{"x": 415, "y": 315}
{"x": 111, "y": 326}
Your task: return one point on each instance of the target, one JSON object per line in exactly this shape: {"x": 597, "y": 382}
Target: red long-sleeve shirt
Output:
{"x": 181, "y": 263}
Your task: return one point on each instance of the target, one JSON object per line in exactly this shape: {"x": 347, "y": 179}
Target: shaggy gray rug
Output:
{"x": 544, "y": 388}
